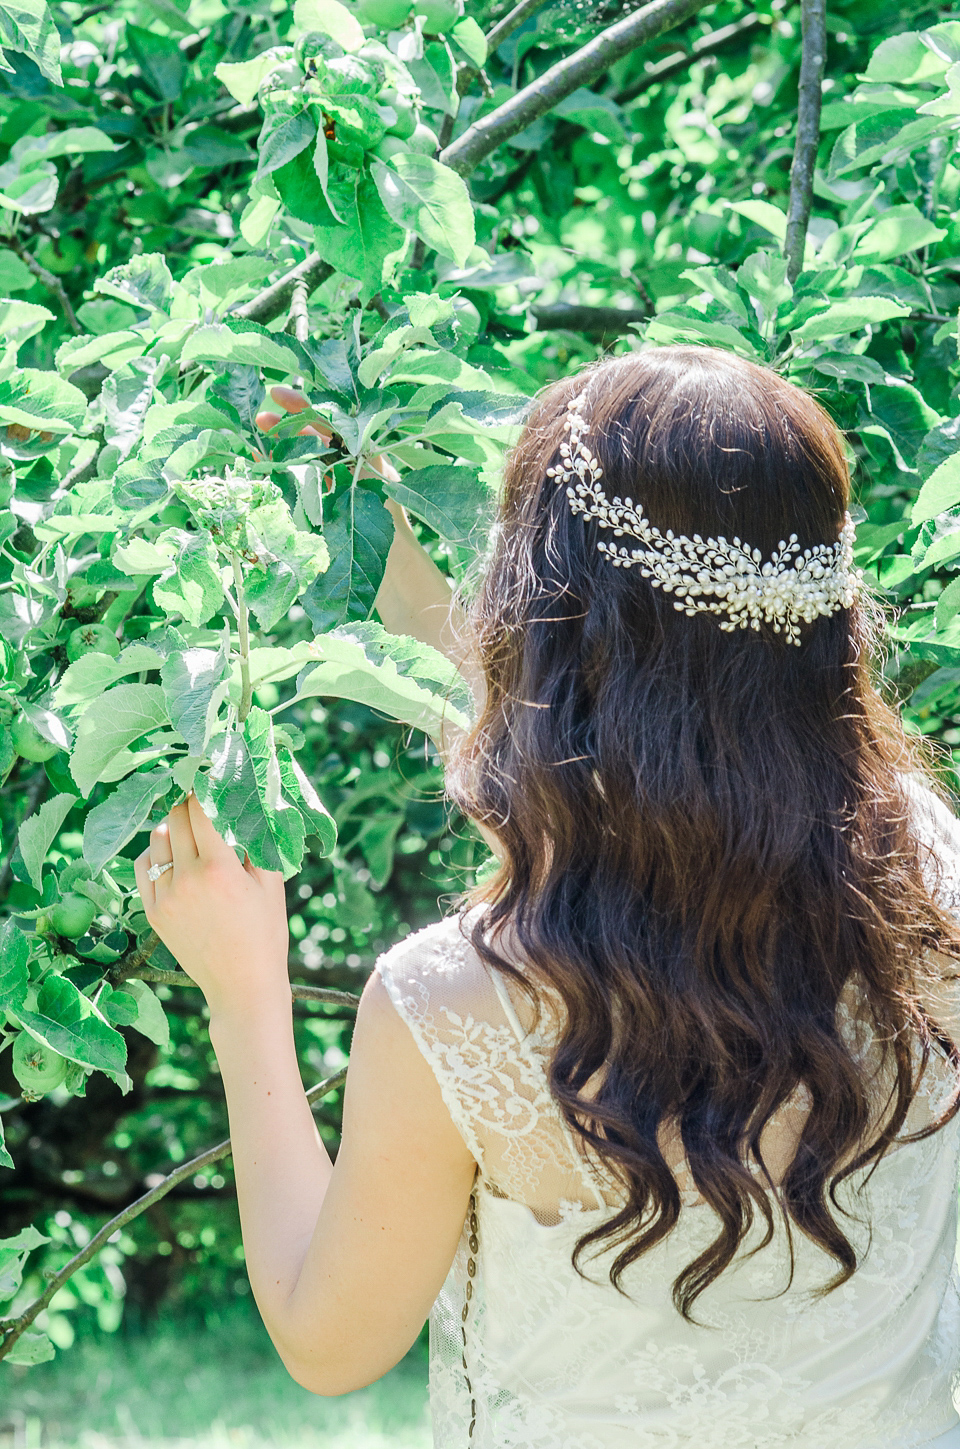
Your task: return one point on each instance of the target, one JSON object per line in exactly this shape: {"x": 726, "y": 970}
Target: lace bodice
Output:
{"x": 553, "y": 1360}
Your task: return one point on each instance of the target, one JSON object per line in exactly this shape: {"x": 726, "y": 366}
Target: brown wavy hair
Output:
{"x": 703, "y": 834}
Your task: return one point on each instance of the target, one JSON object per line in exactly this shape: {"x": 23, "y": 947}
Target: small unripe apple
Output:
{"x": 29, "y": 742}
{"x": 36, "y": 1067}
{"x": 423, "y": 141}
{"x": 406, "y": 122}
{"x": 72, "y": 916}
{"x": 92, "y": 639}
{"x": 439, "y": 16}
{"x": 389, "y": 146}
{"x": 388, "y": 14}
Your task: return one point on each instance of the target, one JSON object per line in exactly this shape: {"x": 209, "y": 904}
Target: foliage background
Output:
{"x": 646, "y": 207}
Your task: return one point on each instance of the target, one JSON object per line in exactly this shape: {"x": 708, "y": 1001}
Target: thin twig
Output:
{"x": 812, "y": 62}
{"x": 53, "y": 284}
{"x": 246, "y": 684}
{"x": 156, "y": 976}
{"x": 704, "y": 45}
{"x": 579, "y": 69}
{"x": 510, "y": 22}
{"x": 14, "y": 1327}
{"x": 276, "y": 298}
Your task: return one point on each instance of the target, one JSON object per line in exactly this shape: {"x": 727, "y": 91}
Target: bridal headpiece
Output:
{"x": 710, "y": 575}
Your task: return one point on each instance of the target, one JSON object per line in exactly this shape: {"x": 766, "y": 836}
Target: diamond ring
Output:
{"x": 156, "y": 871}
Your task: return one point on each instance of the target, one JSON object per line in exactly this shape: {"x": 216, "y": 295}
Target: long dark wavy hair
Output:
{"x": 704, "y": 834}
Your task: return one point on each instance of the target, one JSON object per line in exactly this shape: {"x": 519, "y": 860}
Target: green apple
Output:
{"x": 29, "y": 742}
{"x": 389, "y": 146}
{"x": 423, "y": 141}
{"x": 388, "y": 14}
{"x": 36, "y": 1067}
{"x": 92, "y": 639}
{"x": 72, "y": 916}
{"x": 406, "y": 122}
{"x": 439, "y": 16}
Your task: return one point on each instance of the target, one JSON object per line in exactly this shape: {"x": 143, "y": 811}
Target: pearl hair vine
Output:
{"x": 710, "y": 575}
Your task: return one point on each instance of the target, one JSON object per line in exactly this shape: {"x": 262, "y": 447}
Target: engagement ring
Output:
{"x": 156, "y": 871}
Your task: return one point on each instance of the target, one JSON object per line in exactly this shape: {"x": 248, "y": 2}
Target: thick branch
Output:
{"x": 704, "y": 45}
{"x": 813, "y": 60}
{"x": 14, "y": 1327}
{"x": 580, "y": 69}
{"x": 299, "y": 992}
{"x": 591, "y": 321}
{"x": 277, "y": 297}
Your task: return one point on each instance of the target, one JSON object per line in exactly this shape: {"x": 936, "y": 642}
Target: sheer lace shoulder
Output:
{"x": 491, "y": 1071}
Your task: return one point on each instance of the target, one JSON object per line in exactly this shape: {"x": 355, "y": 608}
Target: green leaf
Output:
{"x": 243, "y": 343}
{"x": 428, "y": 198}
{"x": 850, "y": 315}
{"x": 20, "y": 320}
{"x": 151, "y": 1019}
{"x": 332, "y": 19}
{"x": 880, "y": 137}
{"x": 162, "y": 63}
{"x": 940, "y": 492}
{"x": 91, "y": 674}
{"x": 471, "y": 40}
{"x": 364, "y": 243}
{"x": 243, "y": 79}
{"x": 144, "y": 281}
{"x": 280, "y": 140}
{"x": 452, "y": 500}
{"x": 114, "y": 822}
{"x": 948, "y": 604}
{"x": 901, "y": 409}
{"x": 30, "y": 1348}
{"x": 14, "y": 953}
{"x": 897, "y": 230}
{"x": 194, "y": 687}
{"x": 41, "y": 400}
{"x": 5, "y": 1159}
{"x": 38, "y": 833}
{"x": 358, "y": 532}
{"x": 241, "y": 793}
{"x": 191, "y": 584}
{"x": 298, "y": 788}
{"x": 68, "y": 1023}
{"x": 904, "y": 58}
{"x": 358, "y": 667}
{"x": 28, "y": 26}
{"x": 127, "y": 393}
{"x": 110, "y": 724}
{"x": 593, "y": 111}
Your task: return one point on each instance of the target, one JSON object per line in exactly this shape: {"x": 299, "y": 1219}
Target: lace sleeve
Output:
{"x": 939, "y": 833}
{"x": 410, "y": 972}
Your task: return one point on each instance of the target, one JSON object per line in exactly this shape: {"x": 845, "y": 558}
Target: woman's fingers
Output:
{"x": 182, "y": 841}
{"x": 289, "y": 399}
{"x": 210, "y": 842}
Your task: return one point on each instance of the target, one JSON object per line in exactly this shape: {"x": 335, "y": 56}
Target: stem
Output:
{"x": 298, "y": 310}
{"x": 274, "y": 299}
{"x": 580, "y": 69}
{"x": 812, "y": 62}
{"x": 14, "y": 1327}
{"x": 53, "y": 284}
{"x": 510, "y": 22}
{"x": 246, "y": 688}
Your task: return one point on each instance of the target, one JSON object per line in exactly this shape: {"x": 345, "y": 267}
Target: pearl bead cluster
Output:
{"x": 712, "y": 575}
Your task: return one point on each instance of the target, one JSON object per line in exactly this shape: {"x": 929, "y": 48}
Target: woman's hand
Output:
{"x": 225, "y": 923}
{"x": 294, "y": 402}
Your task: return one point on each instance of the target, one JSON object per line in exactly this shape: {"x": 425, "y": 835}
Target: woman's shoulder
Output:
{"x": 440, "y": 958}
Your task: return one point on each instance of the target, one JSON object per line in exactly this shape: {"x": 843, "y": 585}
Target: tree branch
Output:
{"x": 704, "y": 45}
{"x": 812, "y": 62}
{"x": 276, "y": 298}
{"x": 585, "y": 65}
{"x": 511, "y": 21}
{"x": 47, "y": 279}
{"x": 591, "y": 321}
{"x": 298, "y": 991}
{"x": 12, "y": 1328}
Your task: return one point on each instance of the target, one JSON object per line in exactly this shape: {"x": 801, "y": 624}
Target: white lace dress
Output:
{"x": 545, "y": 1360}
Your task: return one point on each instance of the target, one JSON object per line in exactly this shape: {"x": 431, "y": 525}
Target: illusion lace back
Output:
{"x": 543, "y": 1359}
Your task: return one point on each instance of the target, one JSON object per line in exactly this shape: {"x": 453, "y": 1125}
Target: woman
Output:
{"x": 663, "y": 1132}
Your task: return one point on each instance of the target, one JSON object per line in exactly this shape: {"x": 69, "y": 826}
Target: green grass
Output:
{"x": 201, "y": 1388}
